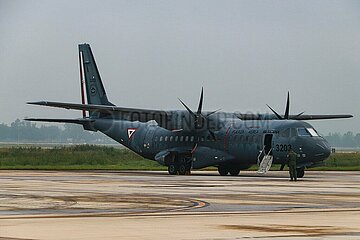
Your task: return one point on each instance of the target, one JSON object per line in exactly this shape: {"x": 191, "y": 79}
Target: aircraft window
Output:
{"x": 293, "y": 132}
{"x": 161, "y": 138}
{"x": 186, "y": 138}
{"x": 303, "y": 132}
{"x": 171, "y": 138}
{"x": 166, "y": 138}
{"x": 285, "y": 133}
{"x": 192, "y": 139}
{"x": 176, "y": 138}
{"x": 181, "y": 138}
{"x": 312, "y": 132}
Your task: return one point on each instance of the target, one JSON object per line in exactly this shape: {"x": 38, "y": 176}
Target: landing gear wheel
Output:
{"x": 172, "y": 169}
{"x": 182, "y": 169}
{"x": 234, "y": 172}
{"x": 223, "y": 171}
{"x": 188, "y": 169}
{"x": 300, "y": 172}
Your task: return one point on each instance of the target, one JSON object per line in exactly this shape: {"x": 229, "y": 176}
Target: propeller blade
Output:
{"x": 286, "y": 116}
{"x": 194, "y": 148}
{"x": 211, "y": 113}
{"x": 299, "y": 115}
{"x": 201, "y": 101}
{"x": 187, "y": 108}
{"x": 277, "y": 115}
{"x": 212, "y": 134}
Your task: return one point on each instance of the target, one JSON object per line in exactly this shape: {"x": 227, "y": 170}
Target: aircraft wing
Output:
{"x": 319, "y": 117}
{"x": 130, "y": 114}
{"x": 293, "y": 117}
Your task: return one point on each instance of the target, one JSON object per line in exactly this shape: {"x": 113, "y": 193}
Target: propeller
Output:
{"x": 287, "y": 110}
{"x": 199, "y": 118}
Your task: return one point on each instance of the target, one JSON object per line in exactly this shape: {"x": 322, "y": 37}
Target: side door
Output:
{"x": 268, "y": 144}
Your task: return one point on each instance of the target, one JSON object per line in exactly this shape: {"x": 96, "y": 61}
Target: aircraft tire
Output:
{"x": 300, "y": 172}
{"x": 234, "y": 172}
{"x": 182, "y": 169}
{"x": 223, "y": 171}
{"x": 172, "y": 169}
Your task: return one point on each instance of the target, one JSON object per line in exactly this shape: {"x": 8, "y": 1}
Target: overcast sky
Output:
{"x": 245, "y": 53}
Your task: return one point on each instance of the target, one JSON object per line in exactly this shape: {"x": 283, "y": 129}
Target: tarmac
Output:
{"x": 154, "y": 205}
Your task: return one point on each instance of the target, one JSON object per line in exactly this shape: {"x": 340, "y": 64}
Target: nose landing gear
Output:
{"x": 225, "y": 170}
{"x": 300, "y": 172}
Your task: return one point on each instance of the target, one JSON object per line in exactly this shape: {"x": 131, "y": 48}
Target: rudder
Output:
{"x": 95, "y": 91}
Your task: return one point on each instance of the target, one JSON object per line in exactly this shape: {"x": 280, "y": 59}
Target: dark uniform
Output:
{"x": 292, "y": 157}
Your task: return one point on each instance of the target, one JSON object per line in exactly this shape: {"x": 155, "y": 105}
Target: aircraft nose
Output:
{"x": 324, "y": 149}
{"x": 327, "y": 151}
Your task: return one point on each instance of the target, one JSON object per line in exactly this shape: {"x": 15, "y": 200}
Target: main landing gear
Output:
{"x": 300, "y": 172}
{"x": 180, "y": 166}
{"x": 225, "y": 170}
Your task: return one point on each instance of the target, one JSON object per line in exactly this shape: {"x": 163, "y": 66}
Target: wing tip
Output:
{"x": 44, "y": 103}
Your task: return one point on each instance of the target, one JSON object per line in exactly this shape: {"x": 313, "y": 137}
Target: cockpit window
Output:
{"x": 312, "y": 132}
{"x": 303, "y": 132}
{"x": 285, "y": 133}
{"x": 309, "y": 132}
{"x": 293, "y": 132}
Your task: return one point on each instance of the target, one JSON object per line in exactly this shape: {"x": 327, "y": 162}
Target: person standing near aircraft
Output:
{"x": 292, "y": 157}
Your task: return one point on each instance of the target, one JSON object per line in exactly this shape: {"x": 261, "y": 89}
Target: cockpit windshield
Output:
{"x": 307, "y": 132}
{"x": 312, "y": 132}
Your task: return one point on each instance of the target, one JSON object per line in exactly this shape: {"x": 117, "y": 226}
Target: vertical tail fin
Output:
{"x": 95, "y": 91}
{"x": 94, "y": 87}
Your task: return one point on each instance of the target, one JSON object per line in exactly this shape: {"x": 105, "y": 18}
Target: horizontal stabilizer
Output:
{"x": 129, "y": 114}
{"x": 85, "y": 122}
{"x": 81, "y": 121}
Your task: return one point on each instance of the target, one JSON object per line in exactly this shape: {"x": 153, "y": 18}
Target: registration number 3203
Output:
{"x": 282, "y": 147}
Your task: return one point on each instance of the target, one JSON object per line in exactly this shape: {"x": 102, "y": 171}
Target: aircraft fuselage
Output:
{"x": 237, "y": 143}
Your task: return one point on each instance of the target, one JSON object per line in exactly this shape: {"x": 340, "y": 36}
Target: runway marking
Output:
{"x": 9, "y": 238}
{"x": 296, "y": 230}
{"x": 172, "y": 213}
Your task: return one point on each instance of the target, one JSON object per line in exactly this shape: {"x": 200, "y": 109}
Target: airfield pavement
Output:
{"x": 153, "y": 205}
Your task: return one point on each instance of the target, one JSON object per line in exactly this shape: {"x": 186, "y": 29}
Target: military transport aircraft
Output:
{"x": 184, "y": 139}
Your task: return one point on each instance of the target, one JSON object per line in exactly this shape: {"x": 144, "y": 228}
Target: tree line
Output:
{"x": 348, "y": 139}
{"x": 28, "y": 132}
{"x": 24, "y": 131}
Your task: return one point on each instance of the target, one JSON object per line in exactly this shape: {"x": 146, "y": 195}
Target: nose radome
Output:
{"x": 324, "y": 149}
{"x": 327, "y": 151}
